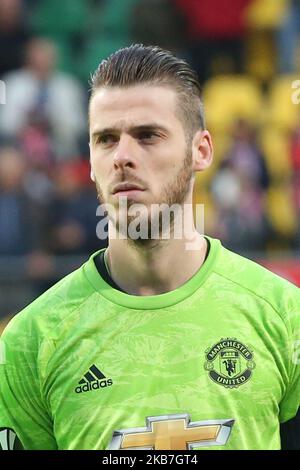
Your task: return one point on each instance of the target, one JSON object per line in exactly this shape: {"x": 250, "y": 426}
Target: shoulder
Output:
{"x": 47, "y": 316}
{"x": 249, "y": 277}
{"x": 61, "y": 79}
{"x": 18, "y": 78}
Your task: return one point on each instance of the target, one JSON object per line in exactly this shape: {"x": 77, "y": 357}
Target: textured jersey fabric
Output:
{"x": 213, "y": 364}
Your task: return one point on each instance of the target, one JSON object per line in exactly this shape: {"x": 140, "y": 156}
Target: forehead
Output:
{"x": 133, "y": 105}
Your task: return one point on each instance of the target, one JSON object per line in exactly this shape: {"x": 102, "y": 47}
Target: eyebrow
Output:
{"x": 132, "y": 129}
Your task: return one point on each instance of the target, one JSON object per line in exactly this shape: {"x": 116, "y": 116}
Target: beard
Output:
{"x": 174, "y": 193}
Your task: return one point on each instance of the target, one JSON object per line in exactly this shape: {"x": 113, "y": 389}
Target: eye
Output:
{"x": 107, "y": 139}
{"x": 147, "y": 136}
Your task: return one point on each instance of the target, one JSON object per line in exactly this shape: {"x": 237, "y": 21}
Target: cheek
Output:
{"x": 98, "y": 178}
{"x": 162, "y": 173}
{"x": 98, "y": 167}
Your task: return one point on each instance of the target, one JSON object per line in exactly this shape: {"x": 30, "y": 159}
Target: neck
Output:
{"x": 157, "y": 267}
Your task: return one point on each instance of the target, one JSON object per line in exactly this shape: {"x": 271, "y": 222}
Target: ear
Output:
{"x": 202, "y": 150}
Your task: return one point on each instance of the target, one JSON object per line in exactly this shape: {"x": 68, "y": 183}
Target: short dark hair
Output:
{"x": 139, "y": 64}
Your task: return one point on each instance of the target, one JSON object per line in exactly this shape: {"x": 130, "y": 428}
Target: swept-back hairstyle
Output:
{"x": 139, "y": 64}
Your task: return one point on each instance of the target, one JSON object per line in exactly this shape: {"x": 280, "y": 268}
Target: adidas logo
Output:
{"x": 93, "y": 380}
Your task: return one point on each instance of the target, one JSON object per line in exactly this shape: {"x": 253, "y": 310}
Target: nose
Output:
{"x": 124, "y": 154}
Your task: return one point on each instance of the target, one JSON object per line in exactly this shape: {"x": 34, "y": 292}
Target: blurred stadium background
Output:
{"x": 247, "y": 55}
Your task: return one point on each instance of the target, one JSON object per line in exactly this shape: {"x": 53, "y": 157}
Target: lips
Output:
{"x": 126, "y": 187}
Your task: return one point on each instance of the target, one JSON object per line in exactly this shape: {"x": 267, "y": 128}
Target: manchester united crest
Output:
{"x": 229, "y": 362}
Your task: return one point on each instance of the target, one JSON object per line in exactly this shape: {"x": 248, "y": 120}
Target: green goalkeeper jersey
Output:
{"x": 213, "y": 364}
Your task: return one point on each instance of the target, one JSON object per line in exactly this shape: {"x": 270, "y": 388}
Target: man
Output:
{"x": 41, "y": 96}
{"x": 162, "y": 342}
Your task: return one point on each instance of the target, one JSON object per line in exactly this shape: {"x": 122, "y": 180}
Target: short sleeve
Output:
{"x": 24, "y": 419}
{"x": 291, "y": 402}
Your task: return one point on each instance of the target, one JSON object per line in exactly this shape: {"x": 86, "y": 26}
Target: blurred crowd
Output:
{"x": 247, "y": 55}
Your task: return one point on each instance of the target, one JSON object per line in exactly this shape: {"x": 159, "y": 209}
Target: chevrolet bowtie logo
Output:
{"x": 173, "y": 432}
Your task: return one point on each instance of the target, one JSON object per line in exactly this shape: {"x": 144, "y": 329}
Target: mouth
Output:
{"x": 129, "y": 194}
{"x": 127, "y": 189}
